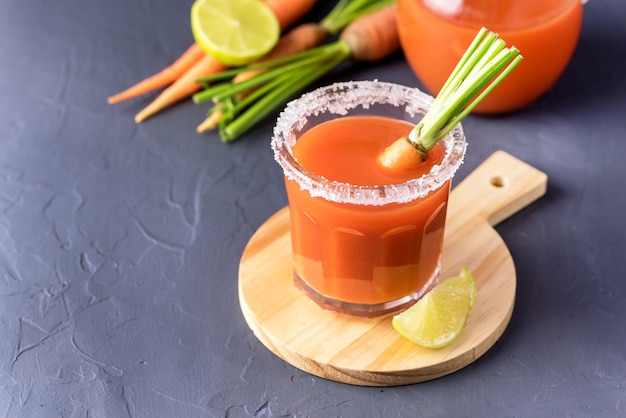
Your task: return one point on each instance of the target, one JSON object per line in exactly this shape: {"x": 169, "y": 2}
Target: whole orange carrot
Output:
{"x": 161, "y": 79}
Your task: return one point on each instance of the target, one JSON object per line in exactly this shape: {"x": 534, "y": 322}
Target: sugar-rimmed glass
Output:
{"x": 382, "y": 221}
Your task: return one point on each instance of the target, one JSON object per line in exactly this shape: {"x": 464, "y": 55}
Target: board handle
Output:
{"x": 501, "y": 186}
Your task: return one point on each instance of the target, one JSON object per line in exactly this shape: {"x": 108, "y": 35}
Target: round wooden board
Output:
{"x": 369, "y": 351}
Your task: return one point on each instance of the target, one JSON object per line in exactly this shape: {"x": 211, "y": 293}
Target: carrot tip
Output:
{"x": 119, "y": 97}
{"x": 140, "y": 117}
{"x": 209, "y": 123}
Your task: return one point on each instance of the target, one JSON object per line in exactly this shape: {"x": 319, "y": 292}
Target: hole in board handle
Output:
{"x": 498, "y": 181}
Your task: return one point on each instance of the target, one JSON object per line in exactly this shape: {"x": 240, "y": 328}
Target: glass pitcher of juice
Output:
{"x": 365, "y": 240}
{"x": 435, "y": 33}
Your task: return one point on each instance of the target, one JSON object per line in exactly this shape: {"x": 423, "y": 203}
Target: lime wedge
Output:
{"x": 438, "y": 318}
{"x": 234, "y": 32}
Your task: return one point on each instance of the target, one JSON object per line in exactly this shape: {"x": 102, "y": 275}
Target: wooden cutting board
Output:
{"x": 368, "y": 351}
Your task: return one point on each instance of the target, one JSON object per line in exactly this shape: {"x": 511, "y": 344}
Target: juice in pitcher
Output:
{"x": 365, "y": 240}
{"x": 545, "y": 31}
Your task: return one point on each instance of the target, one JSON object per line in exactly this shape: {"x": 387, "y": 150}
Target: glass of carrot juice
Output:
{"x": 366, "y": 240}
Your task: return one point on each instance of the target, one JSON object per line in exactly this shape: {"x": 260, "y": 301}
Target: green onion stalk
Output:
{"x": 238, "y": 106}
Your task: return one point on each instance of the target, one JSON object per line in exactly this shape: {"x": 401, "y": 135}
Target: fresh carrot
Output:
{"x": 183, "y": 87}
{"x": 161, "y": 79}
{"x": 372, "y": 36}
{"x": 289, "y": 11}
{"x": 187, "y": 84}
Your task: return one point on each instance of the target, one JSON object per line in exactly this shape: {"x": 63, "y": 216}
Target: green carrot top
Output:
{"x": 485, "y": 63}
{"x": 483, "y": 66}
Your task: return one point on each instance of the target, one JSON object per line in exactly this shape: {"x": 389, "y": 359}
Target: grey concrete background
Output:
{"x": 119, "y": 243}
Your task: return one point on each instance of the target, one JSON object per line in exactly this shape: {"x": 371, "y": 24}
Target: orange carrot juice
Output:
{"x": 366, "y": 240}
{"x": 435, "y": 33}
{"x": 363, "y": 254}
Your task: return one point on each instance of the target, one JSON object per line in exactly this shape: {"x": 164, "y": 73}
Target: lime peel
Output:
{"x": 439, "y": 317}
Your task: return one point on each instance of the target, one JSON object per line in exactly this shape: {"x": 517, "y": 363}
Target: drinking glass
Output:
{"x": 364, "y": 250}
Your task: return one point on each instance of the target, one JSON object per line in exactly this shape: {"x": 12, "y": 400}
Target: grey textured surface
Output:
{"x": 119, "y": 243}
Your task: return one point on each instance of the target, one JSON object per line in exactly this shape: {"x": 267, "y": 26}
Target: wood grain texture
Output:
{"x": 368, "y": 351}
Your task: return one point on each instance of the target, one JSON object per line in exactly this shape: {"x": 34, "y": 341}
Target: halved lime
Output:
{"x": 439, "y": 317}
{"x": 235, "y": 32}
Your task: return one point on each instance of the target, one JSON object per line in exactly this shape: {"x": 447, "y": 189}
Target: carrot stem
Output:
{"x": 269, "y": 75}
{"x": 237, "y": 107}
{"x": 262, "y": 65}
{"x": 479, "y": 72}
{"x": 262, "y": 107}
{"x": 347, "y": 11}
{"x": 210, "y": 92}
{"x": 485, "y": 64}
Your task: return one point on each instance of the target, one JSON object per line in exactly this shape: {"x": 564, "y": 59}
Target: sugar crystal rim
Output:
{"x": 338, "y": 99}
